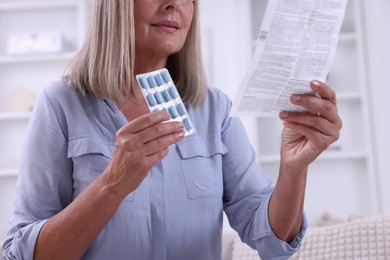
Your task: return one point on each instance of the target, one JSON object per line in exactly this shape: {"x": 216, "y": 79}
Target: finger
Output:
{"x": 145, "y": 121}
{"x": 156, "y": 157}
{"x": 324, "y": 91}
{"x": 136, "y": 141}
{"x": 158, "y": 130}
{"x": 161, "y": 143}
{"x": 141, "y": 163}
{"x": 319, "y": 141}
{"x": 318, "y": 106}
{"x": 318, "y": 123}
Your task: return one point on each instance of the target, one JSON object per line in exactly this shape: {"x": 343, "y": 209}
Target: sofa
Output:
{"x": 359, "y": 239}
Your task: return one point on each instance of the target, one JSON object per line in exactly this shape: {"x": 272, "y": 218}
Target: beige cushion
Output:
{"x": 242, "y": 251}
{"x": 360, "y": 239}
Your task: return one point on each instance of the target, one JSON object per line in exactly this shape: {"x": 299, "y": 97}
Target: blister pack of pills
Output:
{"x": 160, "y": 93}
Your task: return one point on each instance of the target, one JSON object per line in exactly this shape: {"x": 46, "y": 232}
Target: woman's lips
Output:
{"x": 167, "y": 26}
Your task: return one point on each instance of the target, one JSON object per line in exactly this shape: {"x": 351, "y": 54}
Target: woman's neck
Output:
{"x": 135, "y": 106}
{"x": 150, "y": 63}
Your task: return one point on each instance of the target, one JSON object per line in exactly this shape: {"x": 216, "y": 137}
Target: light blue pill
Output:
{"x": 166, "y": 76}
{"x": 159, "y": 98}
{"x": 152, "y": 81}
{"x": 151, "y": 100}
{"x": 173, "y": 112}
{"x": 173, "y": 92}
{"x": 144, "y": 83}
{"x": 187, "y": 124}
{"x": 165, "y": 95}
{"x": 159, "y": 80}
{"x": 181, "y": 108}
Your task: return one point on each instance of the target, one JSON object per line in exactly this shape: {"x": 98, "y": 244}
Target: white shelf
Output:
{"x": 348, "y": 37}
{"x": 7, "y": 116}
{"x": 348, "y": 96}
{"x": 268, "y": 159}
{"x": 32, "y": 71}
{"x": 27, "y": 5}
{"x": 8, "y": 59}
{"x": 339, "y": 155}
{"x": 326, "y": 156}
{"x": 8, "y": 173}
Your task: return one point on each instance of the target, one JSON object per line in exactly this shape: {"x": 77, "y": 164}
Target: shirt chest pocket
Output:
{"x": 202, "y": 166}
{"x": 90, "y": 159}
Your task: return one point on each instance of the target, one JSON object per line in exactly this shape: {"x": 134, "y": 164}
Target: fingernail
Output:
{"x": 296, "y": 98}
{"x": 284, "y": 114}
{"x": 166, "y": 115}
{"x": 315, "y": 84}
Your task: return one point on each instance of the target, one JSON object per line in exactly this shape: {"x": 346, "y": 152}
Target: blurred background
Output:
{"x": 39, "y": 37}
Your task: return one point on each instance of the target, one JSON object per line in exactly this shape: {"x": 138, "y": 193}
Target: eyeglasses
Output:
{"x": 186, "y": 2}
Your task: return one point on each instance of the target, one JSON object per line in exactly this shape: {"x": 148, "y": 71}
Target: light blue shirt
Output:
{"x": 177, "y": 211}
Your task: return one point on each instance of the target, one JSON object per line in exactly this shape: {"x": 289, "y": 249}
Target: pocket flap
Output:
{"x": 203, "y": 147}
{"x": 86, "y": 145}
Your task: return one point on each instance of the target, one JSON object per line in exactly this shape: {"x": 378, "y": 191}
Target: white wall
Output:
{"x": 377, "y": 30}
{"x": 226, "y": 33}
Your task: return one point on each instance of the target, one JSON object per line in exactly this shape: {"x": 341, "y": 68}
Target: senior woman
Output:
{"x": 103, "y": 178}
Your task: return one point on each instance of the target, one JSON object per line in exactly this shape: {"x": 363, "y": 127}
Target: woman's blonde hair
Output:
{"x": 104, "y": 67}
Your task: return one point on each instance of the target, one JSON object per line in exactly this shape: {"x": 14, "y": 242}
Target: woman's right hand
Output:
{"x": 139, "y": 145}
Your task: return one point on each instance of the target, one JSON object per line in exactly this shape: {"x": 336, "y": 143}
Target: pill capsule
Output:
{"x": 144, "y": 83}
{"x": 173, "y": 112}
{"x": 181, "y": 108}
{"x": 165, "y": 95}
{"x": 152, "y": 81}
{"x": 159, "y": 79}
{"x": 151, "y": 100}
{"x": 166, "y": 76}
{"x": 173, "y": 92}
{"x": 187, "y": 124}
{"x": 159, "y": 98}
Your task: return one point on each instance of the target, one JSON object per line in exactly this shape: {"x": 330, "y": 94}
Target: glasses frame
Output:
{"x": 187, "y": 1}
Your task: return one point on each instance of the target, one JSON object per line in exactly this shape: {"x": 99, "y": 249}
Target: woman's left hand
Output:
{"x": 307, "y": 134}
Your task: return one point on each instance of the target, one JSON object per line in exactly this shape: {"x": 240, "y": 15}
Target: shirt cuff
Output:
{"x": 267, "y": 243}
{"x": 22, "y": 244}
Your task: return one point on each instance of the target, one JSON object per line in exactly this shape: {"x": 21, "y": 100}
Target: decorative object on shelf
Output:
{"x": 326, "y": 219}
{"x": 13, "y": 163}
{"x": 34, "y": 43}
{"x": 21, "y": 99}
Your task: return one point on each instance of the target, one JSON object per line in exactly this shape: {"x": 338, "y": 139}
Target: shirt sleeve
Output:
{"x": 247, "y": 192}
{"x": 44, "y": 185}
